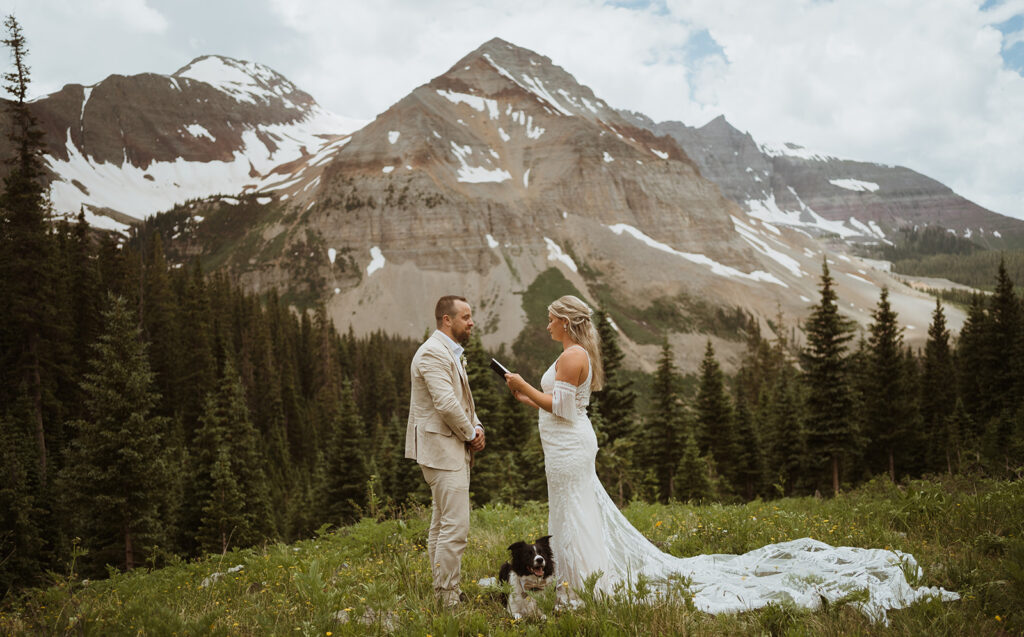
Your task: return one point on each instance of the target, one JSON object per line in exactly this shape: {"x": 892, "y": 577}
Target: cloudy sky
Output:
{"x": 935, "y": 85}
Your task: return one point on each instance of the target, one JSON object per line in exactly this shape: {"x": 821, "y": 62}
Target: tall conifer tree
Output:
{"x": 117, "y": 473}
{"x": 1005, "y": 337}
{"x": 785, "y": 437}
{"x": 972, "y": 354}
{"x": 938, "y": 389}
{"x": 715, "y": 434}
{"x": 662, "y": 436}
{"x": 830, "y": 429}
{"x": 694, "y": 481}
{"x": 887, "y": 407}
{"x": 225, "y": 427}
{"x": 27, "y": 259}
{"x": 343, "y": 495}
{"x": 616, "y": 400}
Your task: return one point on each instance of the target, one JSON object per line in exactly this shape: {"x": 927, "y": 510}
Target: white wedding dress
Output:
{"x": 590, "y": 535}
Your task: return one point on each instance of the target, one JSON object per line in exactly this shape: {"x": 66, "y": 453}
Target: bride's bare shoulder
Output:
{"x": 571, "y": 366}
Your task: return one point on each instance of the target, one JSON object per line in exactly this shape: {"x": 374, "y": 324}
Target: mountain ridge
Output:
{"x": 479, "y": 180}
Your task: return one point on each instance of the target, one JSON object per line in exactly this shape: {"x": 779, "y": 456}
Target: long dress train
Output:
{"x": 590, "y": 535}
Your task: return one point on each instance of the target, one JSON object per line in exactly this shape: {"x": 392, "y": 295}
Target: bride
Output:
{"x": 591, "y": 538}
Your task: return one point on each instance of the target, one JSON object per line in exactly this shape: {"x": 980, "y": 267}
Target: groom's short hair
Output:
{"x": 446, "y": 305}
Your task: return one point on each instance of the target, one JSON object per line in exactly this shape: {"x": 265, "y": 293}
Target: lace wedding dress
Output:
{"x": 590, "y": 535}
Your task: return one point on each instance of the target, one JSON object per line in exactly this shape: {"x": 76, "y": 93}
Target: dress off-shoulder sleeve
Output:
{"x": 563, "y": 400}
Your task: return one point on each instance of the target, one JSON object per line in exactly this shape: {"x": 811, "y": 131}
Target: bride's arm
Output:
{"x": 527, "y": 393}
{"x": 570, "y": 367}
{"x": 521, "y": 397}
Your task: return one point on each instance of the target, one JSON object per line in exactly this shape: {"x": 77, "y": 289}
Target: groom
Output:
{"x": 442, "y": 434}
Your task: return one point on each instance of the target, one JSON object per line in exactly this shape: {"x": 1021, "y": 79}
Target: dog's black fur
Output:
{"x": 531, "y": 568}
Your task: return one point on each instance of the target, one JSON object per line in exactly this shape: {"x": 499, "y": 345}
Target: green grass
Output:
{"x": 373, "y": 577}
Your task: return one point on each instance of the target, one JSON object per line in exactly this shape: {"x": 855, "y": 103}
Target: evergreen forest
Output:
{"x": 150, "y": 413}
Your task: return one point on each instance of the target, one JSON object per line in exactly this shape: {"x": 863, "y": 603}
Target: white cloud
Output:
{"x": 925, "y": 87}
{"x": 135, "y": 14}
{"x": 894, "y": 81}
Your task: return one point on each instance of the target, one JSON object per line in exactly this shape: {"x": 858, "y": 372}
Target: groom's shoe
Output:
{"x": 451, "y": 599}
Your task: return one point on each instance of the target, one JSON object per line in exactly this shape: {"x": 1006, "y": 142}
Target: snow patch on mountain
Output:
{"x": 196, "y": 130}
{"x": 244, "y": 81}
{"x": 768, "y": 210}
{"x": 377, "y": 260}
{"x": 555, "y": 253}
{"x": 749, "y": 234}
{"x": 789, "y": 149}
{"x": 855, "y": 185}
{"x": 476, "y": 174}
{"x": 139, "y": 192}
{"x": 715, "y": 267}
{"x": 473, "y": 101}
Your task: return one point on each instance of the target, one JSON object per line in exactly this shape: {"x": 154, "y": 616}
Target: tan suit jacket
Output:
{"x": 442, "y": 416}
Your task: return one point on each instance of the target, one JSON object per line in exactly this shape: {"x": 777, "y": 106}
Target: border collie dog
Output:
{"x": 531, "y": 568}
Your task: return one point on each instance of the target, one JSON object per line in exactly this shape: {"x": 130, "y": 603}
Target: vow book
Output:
{"x": 499, "y": 369}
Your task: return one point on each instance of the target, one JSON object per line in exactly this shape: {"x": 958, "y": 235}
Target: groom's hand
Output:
{"x": 477, "y": 444}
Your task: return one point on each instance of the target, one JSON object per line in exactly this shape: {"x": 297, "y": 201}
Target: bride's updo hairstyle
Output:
{"x": 582, "y": 332}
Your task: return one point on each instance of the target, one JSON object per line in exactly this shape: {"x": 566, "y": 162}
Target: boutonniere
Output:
{"x": 462, "y": 359}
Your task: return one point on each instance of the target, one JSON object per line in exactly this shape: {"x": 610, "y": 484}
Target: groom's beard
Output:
{"x": 462, "y": 338}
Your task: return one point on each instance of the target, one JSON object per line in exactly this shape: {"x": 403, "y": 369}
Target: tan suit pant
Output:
{"x": 449, "y": 529}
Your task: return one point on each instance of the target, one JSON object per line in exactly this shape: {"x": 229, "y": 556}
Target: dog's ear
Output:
{"x": 544, "y": 541}
{"x": 516, "y": 546}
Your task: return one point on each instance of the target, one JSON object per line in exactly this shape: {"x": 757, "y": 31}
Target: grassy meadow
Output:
{"x": 373, "y": 577}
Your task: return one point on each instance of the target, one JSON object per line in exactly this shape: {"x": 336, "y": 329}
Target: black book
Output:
{"x": 499, "y": 369}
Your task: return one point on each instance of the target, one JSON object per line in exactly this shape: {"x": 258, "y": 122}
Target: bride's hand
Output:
{"x": 523, "y": 398}
{"x": 515, "y": 382}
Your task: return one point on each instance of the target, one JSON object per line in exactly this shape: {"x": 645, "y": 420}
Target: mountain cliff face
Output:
{"x": 856, "y": 201}
{"x": 502, "y": 179}
{"x": 503, "y": 168}
{"x": 132, "y": 146}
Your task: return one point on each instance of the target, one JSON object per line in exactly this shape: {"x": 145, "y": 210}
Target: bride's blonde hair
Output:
{"x": 582, "y": 331}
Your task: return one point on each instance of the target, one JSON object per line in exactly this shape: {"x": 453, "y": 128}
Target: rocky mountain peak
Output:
{"x": 498, "y": 66}
{"x": 244, "y": 81}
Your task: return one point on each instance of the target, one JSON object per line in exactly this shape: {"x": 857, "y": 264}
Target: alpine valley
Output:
{"x": 502, "y": 179}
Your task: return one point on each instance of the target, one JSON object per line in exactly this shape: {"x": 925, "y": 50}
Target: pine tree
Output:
{"x": 223, "y": 512}
{"x": 749, "y": 469}
{"x": 955, "y": 426}
{"x": 27, "y": 259}
{"x": 830, "y": 429}
{"x": 693, "y": 472}
{"x": 887, "y": 409}
{"x": 785, "y": 439}
{"x": 1005, "y": 343}
{"x": 85, "y": 303}
{"x": 160, "y": 325}
{"x": 973, "y": 378}
{"x": 490, "y": 472}
{"x": 343, "y": 495}
{"x": 616, "y": 400}
{"x": 117, "y": 471}
{"x": 225, "y": 426}
{"x": 715, "y": 434}
{"x": 21, "y": 541}
{"x": 938, "y": 389}
{"x": 661, "y": 437}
